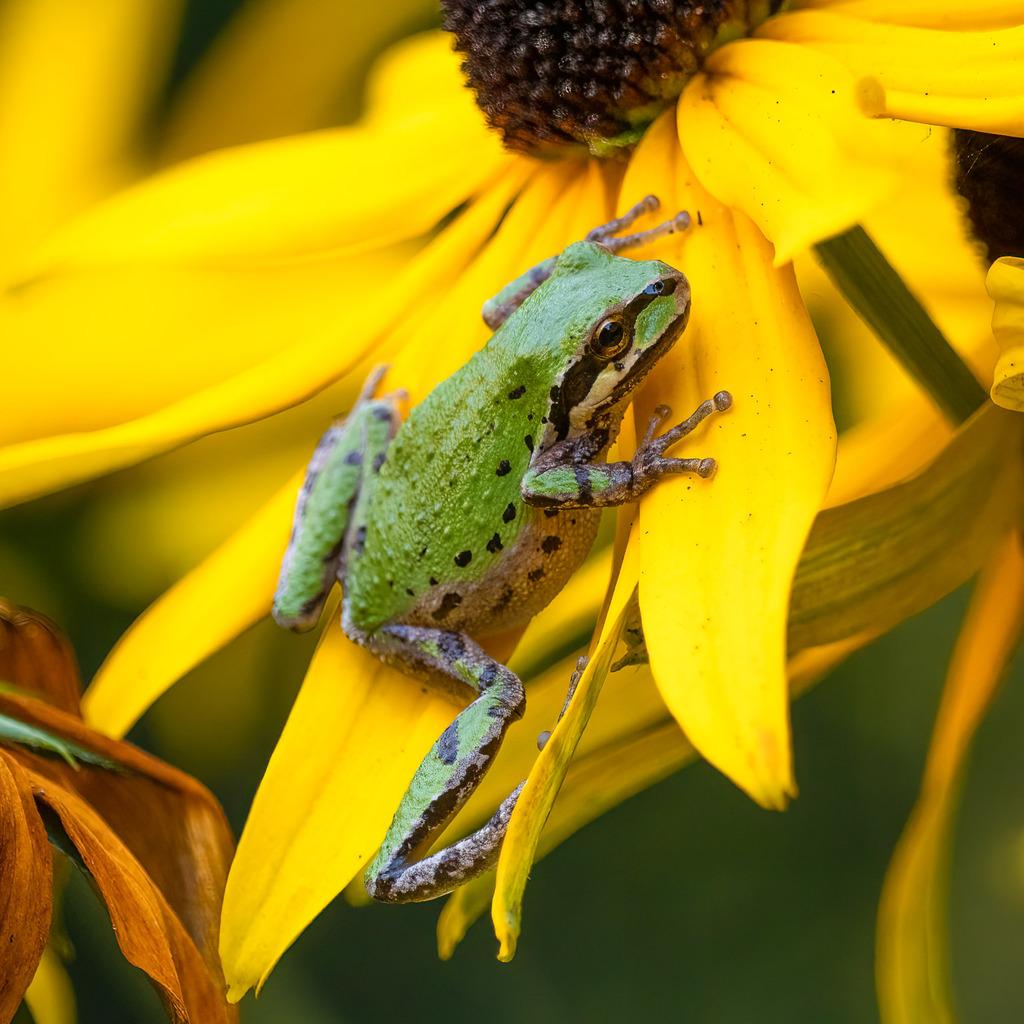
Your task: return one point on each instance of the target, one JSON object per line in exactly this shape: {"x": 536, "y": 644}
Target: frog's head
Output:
{"x": 612, "y": 343}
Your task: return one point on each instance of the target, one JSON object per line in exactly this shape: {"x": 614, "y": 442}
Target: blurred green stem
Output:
{"x": 881, "y": 299}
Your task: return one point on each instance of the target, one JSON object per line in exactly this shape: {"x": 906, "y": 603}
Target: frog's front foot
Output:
{"x": 650, "y": 462}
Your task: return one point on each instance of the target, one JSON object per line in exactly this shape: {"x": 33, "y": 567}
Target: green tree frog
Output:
{"x": 467, "y": 518}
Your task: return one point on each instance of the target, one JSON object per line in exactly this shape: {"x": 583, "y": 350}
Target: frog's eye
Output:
{"x": 610, "y": 339}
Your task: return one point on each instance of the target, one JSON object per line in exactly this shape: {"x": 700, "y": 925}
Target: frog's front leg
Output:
{"x": 566, "y": 476}
{"x": 448, "y": 775}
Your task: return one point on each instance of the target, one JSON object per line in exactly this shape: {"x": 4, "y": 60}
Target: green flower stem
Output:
{"x": 877, "y": 293}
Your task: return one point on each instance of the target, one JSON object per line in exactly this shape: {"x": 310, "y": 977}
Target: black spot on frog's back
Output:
{"x": 550, "y": 544}
{"x": 463, "y": 558}
{"x": 510, "y": 513}
{"x": 504, "y": 468}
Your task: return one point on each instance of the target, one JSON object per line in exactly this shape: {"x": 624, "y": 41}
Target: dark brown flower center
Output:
{"x": 990, "y": 176}
{"x": 555, "y": 73}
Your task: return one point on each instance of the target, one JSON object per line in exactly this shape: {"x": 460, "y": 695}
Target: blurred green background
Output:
{"x": 686, "y": 903}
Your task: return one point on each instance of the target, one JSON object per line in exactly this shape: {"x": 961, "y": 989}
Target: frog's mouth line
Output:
{"x": 580, "y": 378}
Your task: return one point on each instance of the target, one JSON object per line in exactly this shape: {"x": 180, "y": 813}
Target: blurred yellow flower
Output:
{"x": 260, "y": 275}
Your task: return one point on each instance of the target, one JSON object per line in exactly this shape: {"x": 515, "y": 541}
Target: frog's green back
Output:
{"x": 447, "y": 502}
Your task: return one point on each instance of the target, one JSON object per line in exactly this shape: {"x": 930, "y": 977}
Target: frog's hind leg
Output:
{"x": 451, "y": 771}
{"x": 322, "y": 527}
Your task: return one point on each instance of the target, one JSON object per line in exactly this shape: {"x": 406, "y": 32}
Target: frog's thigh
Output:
{"x": 347, "y": 454}
{"x": 451, "y": 771}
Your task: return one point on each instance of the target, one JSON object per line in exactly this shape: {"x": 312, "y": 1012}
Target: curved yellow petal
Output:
{"x": 342, "y": 190}
{"x": 289, "y": 374}
{"x": 719, "y": 555}
{"x": 230, "y": 591}
{"x": 233, "y": 97}
{"x": 924, "y": 13}
{"x": 912, "y": 970}
{"x": 777, "y": 131}
{"x": 351, "y": 743}
{"x": 1005, "y": 284}
{"x": 888, "y": 448}
{"x": 74, "y": 83}
{"x": 519, "y": 847}
{"x": 960, "y": 79}
{"x": 50, "y": 997}
{"x": 872, "y": 562}
{"x": 88, "y": 351}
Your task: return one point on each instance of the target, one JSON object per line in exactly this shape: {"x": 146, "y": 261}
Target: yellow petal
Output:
{"x": 912, "y": 969}
{"x": 873, "y": 562}
{"x": 342, "y": 190}
{"x": 289, "y": 374}
{"x": 230, "y": 591}
{"x": 776, "y": 131}
{"x": 922, "y": 217}
{"x": 960, "y": 79}
{"x": 889, "y": 448}
{"x": 925, "y": 13}
{"x": 719, "y": 555}
{"x": 1006, "y": 286}
{"x": 74, "y": 83}
{"x": 519, "y": 846}
{"x": 88, "y": 351}
{"x": 233, "y": 97}
{"x": 353, "y": 740}
{"x": 50, "y": 997}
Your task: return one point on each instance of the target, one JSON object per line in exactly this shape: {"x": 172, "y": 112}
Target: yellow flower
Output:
{"x": 261, "y": 275}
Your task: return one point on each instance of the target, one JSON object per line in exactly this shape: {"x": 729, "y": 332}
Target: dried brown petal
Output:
{"x": 170, "y": 822}
{"x": 148, "y": 931}
{"x": 35, "y": 655}
{"x": 25, "y": 880}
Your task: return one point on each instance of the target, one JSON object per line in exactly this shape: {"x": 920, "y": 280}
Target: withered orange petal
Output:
{"x": 150, "y": 934}
{"x": 25, "y": 895}
{"x": 170, "y": 822}
{"x": 35, "y": 655}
